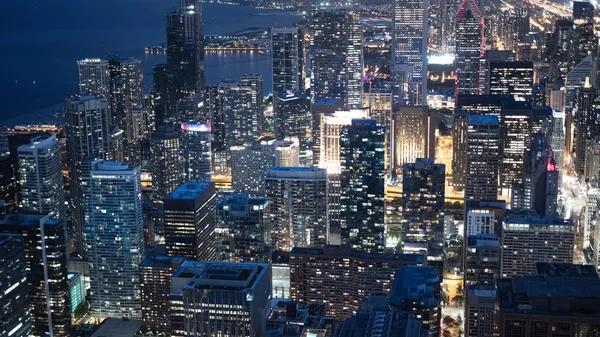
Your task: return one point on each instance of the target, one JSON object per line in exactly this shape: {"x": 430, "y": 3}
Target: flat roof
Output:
{"x": 221, "y": 275}
{"x": 190, "y": 190}
{"x": 482, "y": 119}
{"x": 114, "y": 327}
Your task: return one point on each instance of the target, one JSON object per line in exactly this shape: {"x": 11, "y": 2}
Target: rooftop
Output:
{"x": 331, "y": 250}
{"x": 190, "y": 190}
{"x": 220, "y": 275}
{"x": 415, "y": 283}
{"x": 482, "y": 119}
{"x": 296, "y": 172}
{"x": 566, "y": 269}
{"x": 29, "y": 219}
{"x": 114, "y": 327}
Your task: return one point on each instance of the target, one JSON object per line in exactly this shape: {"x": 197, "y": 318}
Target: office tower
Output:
{"x": 561, "y": 39}
{"x": 576, "y": 79}
{"x": 114, "y": 237}
{"x": 160, "y": 91}
{"x": 459, "y": 149}
{"x": 250, "y": 164}
{"x": 336, "y": 56}
{"x": 330, "y": 129}
{"x": 480, "y": 310}
{"x": 409, "y": 42}
{"x": 423, "y": 208}
{"x": 482, "y": 259}
{"x": 540, "y": 178}
{"x": 322, "y": 107}
{"x": 335, "y": 275}
{"x": 583, "y": 40}
{"x": 155, "y": 287}
{"x": 242, "y": 109}
{"x": 238, "y": 306}
{"x": 93, "y": 76}
{"x": 379, "y": 101}
{"x": 417, "y": 292}
{"x": 189, "y": 213}
{"x": 41, "y": 179}
{"x": 491, "y": 56}
{"x": 195, "y": 148}
{"x": 516, "y": 131}
{"x": 242, "y": 231}
{"x": 528, "y": 238}
{"x": 287, "y": 57}
{"x": 518, "y": 298}
{"x": 469, "y": 47}
{"x": 8, "y": 197}
{"x": 414, "y": 135}
{"x": 557, "y": 142}
{"x": 583, "y": 11}
{"x": 298, "y": 206}
{"x": 513, "y": 78}
{"x": 190, "y": 109}
{"x": 287, "y": 153}
{"x": 165, "y": 165}
{"x": 483, "y": 216}
{"x": 362, "y": 185}
{"x": 587, "y": 124}
{"x": 591, "y": 170}
{"x": 14, "y": 315}
{"x": 45, "y": 242}
{"x": 292, "y": 118}
{"x": 87, "y": 127}
{"x": 483, "y": 157}
{"x": 588, "y": 216}
{"x": 77, "y": 289}
{"x": 126, "y": 90}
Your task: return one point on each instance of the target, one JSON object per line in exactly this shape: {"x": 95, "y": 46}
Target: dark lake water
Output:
{"x": 41, "y": 40}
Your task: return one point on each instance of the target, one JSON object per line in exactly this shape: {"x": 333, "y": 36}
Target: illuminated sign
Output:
{"x": 202, "y": 127}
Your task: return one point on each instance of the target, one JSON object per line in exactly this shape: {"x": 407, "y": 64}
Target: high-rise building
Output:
{"x": 287, "y": 57}
{"x": 322, "y": 107}
{"x": 516, "y": 131}
{"x": 8, "y": 186}
{"x": 459, "y": 149}
{"x": 483, "y": 216}
{"x": 484, "y": 74}
{"x": 242, "y": 231}
{"x": 557, "y": 142}
{"x": 483, "y": 157}
{"x": 15, "y": 320}
{"x": 114, "y": 228}
{"x": 196, "y": 153}
{"x": 514, "y": 78}
{"x": 417, "y": 292}
{"x": 480, "y": 310}
{"x": 93, "y": 76}
{"x": 45, "y": 243}
{"x": 41, "y": 179}
{"x": 587, "y": 124}
{"x": 413, "y": 135}
{"x": 362, "y": 185}
{"x": 482, "y": 259}
{"x": 576, "y": 79}
{"x": 583, "y": 10}
{"x": 237, "y": 295}
{"x": 527, "y": 305}
{"x": 340, "y": 277}
{"x": 423, "y": 185}
{"x": 591, "y": 171}
{"x": 409, "y": 42}
{"x": 166, "y": 166}
{"x": 155, "y": 286}
{"x": 242, "y": 110}
{"x": 469, "y": 47}
{"x": 298, "y": 206}
{"x": 190, "y": 220}
{"x": 126, "y": 91}
{"x": 87, "y": 127}
{"x": 292, "y": 118}
{"x": 379, "y": 100}
{"x": 528, "y": 238}
{"x": 336, "y": 56}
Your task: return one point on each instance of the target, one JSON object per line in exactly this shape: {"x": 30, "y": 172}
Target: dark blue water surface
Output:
{"x": 41, "y": 40}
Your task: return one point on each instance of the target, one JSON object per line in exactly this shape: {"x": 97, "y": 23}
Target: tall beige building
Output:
{"x": 413, "y": 135}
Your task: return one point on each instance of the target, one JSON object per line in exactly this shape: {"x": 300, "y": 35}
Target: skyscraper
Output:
{"x": 287, "y": 57}
{"x": 362, "y": 184}
{"x": 7, "y": 186}
{"x": 87, "y": 127}
{"x": 112, "y": 198}
{"x": 14, "y": 314}
{"x": 190, "y": 221}
{"x": 238, "y": 305}
{"x": 379, "y": 100}
{"x": 557, "y": 142}
{"x": 513, "y": 78}
{"x": 469, "y": 47}
{"x": 93, "y": 76}
{"x": 243, "y": 229}
{"x": 528, "y": 238}
{"x": 336, "y": 56}
{"x": 196, "y": 154}
{"x": 166, "y": 166}
{"x": 423, "y": 208}
{"x": 480, "y": 310}
{"x": 41, "y": 177}
{"x": 423, "y": 303}
{"x": 515, "y": 140}
{"x": 155, "y": 284}
{"x": 459, "y": 149}
{"x": 413, "y": 135}
{"x": 298, "y": 206}
{"x": 292, "y": 118}
{"x": 587, "y": 124}
{"x": 483, "y": 157}
{"x": 409, "y": 41}
{"x": 242, "y": 110}
{"x": 45, "y": 242}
